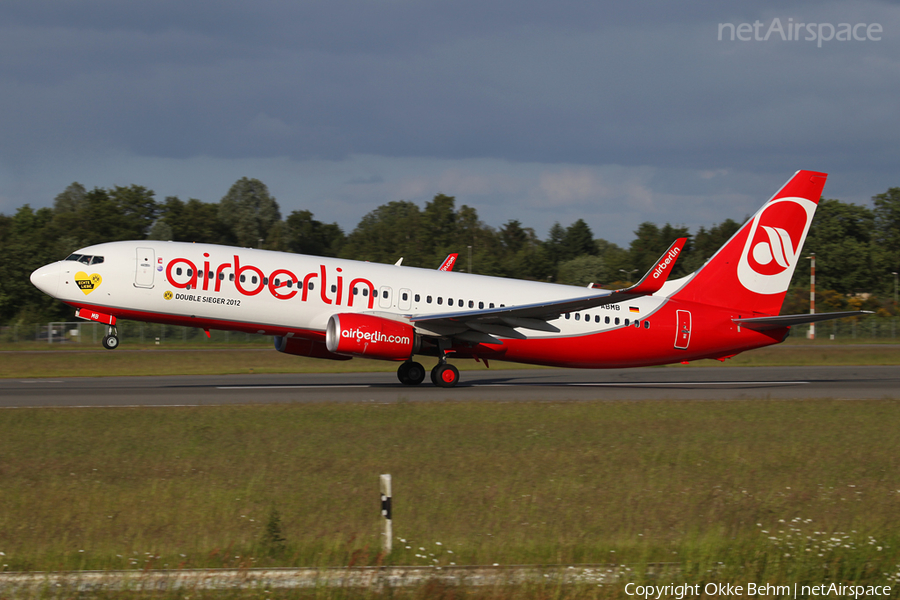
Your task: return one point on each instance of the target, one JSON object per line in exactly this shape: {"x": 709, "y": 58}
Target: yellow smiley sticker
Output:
{"x": 167, "y": 295}
{"x": 87, "y": 283}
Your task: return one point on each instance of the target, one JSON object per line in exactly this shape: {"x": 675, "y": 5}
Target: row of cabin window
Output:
{"x": 311, "y": 286}
{"x": 607, "y": 320}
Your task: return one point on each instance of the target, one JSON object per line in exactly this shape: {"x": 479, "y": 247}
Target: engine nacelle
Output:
{"x": 370, "y": 336}
{"x": 303, "y": 347}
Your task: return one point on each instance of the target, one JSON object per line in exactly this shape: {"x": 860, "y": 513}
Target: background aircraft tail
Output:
{"x": 753, "y": 270}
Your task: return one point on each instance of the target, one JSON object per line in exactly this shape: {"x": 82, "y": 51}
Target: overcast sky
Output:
{"x": 539, "y": 111}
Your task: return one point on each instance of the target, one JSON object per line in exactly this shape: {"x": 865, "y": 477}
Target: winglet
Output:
{"x": 657, "y": 276}
{"x": 448, "y": 263}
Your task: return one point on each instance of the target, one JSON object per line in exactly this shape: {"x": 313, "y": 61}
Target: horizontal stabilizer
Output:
{"x": 781, "y": 321}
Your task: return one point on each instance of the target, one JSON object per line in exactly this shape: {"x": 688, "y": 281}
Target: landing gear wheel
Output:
{"x": 445, "y": 375}
{"x": 110, "y": 342}
{"x": 411, "y": 373}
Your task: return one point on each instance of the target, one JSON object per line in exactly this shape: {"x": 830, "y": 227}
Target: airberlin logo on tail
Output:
{"x": 775, "y": 253}
{"x": 773, "y": 245}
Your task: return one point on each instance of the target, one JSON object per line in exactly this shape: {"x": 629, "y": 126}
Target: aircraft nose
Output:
{"x": 46, "y": 279}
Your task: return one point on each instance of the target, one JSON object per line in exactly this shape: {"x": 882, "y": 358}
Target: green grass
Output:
{"x": 154, "y": 360}
{"x": 732, "y": 491}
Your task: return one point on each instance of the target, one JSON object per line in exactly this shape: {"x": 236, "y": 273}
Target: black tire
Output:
{"x": 445, "y": 375}
{"x": 415, "y": 373}
{"x": 110, "y": 342}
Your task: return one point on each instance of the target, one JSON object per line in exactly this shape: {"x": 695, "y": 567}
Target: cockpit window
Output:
{"x": 85, "y": 259}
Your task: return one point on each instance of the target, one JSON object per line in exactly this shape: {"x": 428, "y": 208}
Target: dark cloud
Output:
{"x": 570, "y": 82}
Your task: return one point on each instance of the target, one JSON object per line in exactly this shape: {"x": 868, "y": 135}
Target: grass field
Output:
{"x": 777, "y": 492}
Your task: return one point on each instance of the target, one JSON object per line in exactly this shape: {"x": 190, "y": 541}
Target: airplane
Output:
{"x": 338, "y": 309}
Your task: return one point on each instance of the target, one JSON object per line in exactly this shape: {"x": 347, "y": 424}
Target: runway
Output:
{"x": 671, "y": 383}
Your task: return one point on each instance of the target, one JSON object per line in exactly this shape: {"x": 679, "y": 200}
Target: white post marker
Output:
{"x": 387, "y": 536}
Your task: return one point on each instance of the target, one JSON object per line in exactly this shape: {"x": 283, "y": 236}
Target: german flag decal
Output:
{"x": 634, "y": 309}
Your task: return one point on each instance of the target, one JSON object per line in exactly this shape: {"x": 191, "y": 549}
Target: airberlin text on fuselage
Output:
{"x": 276, "y": 281}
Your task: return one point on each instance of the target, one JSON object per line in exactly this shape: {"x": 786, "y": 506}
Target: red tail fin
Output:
{"x": 753, "y": 270}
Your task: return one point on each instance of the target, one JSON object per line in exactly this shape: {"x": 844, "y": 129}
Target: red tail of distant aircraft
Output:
{"x": 338, "y": 309}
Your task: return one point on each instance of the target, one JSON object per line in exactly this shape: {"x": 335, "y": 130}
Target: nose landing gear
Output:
{"x": 111, "y": 341}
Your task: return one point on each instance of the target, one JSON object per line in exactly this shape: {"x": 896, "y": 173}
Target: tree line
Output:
{"x": 857, "y": 247}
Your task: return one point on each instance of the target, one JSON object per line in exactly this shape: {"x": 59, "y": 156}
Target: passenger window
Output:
{"x": 417, "y": 298}
{"x": 577, "y": 316}
{"x": 626, "y": 322}
{"x": 312, "y": 286}
{"x": 253, "y": 279}
{"x": 491, "y": 305}
{"x": 384, "y": 294}
{"x": 617, "y": 320}
{"x": 606, "y": 320}
{"x": 440, "y": 300}
{"x": 265, "y": 281}
{"x": 646, "y": 324}
{"x": 333, "y": 288}
{"x": 449, "y": 301}
{"x": 231, "y": 277}
{"x": 190, "y": 272}
{"x": 243, "y": 277}
{"x": 596, "y": 318}
{"x": 567, "y": 315}
{"x": 481, "y": 305}
{"x": 290, "y": 283}
{"x": 277, "y": 281}
{"x": 221, "y": 276}
{"x": 405, "y": 296}
{"x": 178, "y": 270}
{"x": 428, "y": 299}
{"x": 210, "y": 275}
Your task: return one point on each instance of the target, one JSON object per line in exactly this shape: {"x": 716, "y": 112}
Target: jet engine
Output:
{"x": 370, "y": 336}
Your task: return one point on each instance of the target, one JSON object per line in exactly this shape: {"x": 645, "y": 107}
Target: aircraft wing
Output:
{"x": 780, "y": 321}
{"x": 483, "y": 325}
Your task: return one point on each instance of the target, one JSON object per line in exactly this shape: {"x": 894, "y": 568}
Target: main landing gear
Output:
{"x": 411, "y": 373}
{"x": 443, "y": 374}
{"x": 111, "y": 341}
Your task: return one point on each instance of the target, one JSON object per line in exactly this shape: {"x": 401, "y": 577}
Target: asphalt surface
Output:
{"x": 672, "y": 383}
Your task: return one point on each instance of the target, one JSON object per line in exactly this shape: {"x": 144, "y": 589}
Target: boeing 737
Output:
{"x": 339, "y": 309}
